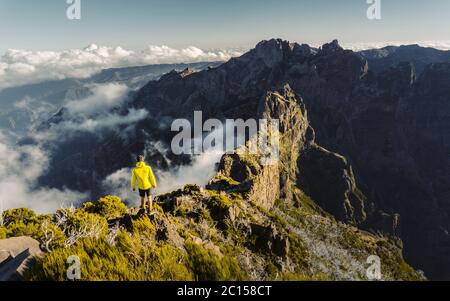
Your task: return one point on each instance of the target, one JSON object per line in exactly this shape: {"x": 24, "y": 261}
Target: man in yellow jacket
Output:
{"x": 146, "y": 181}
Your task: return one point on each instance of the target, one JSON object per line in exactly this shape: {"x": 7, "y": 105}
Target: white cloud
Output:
{"x": 93, "y": 114}
{"x": 19, "y": 67}
{"x": 20, "y": 167}
{"x": 104, "y": 122}
{"x": 199, "y": 172}
{"x": 95, "y": 125}
{"x": 103, "y": 98}
{"x": 118, "y": 183}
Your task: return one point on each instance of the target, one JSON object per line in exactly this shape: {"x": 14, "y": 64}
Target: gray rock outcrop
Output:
{"x": 17, "y": 255}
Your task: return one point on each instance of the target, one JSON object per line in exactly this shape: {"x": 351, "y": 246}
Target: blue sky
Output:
{"x": 42, "y": 24}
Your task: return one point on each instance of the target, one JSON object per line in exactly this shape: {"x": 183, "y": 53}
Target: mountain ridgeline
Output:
{"x": 369, "y": 146}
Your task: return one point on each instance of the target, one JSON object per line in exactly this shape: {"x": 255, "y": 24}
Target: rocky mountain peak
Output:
{"x": 271, "y": 44}
{"x": 331, "y": 47}
{"x": 275, "y": 50}
{"x": 174, "y": 74}
{"x": 271, "y": 51}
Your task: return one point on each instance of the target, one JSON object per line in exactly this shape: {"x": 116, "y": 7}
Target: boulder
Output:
{"x": 270, "y": 240}
{"x": 166, "y": 230}
{"x": 17, "y": 255}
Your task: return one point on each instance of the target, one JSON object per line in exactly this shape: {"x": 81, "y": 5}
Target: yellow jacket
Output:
{"x": 144, "y": 176}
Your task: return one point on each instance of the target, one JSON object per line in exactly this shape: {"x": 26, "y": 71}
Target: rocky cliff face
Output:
{"x": 365, "y": 146}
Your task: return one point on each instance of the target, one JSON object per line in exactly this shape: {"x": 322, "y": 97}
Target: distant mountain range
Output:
{"x": 23, "y": 107}
{"x": 374, "y": 151}
{"x": 420, "y": 57}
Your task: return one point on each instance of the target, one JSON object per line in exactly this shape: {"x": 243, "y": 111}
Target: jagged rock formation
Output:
{"x": 366, "y": 146}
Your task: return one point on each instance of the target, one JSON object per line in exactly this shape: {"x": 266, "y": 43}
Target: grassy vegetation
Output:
{"x": 110, "y": 207}
{"x": 307, "y": 205}
{"x": 207, "y": 265}
{"x": 135, "y": 258}
{"x": 214, "y": 246}
{"x": 227, "y": 180}
{"x": 3, "y": 233}
{"x": 24, "y": 222}
{"x": 219, "y": 200}
{"x": 219, "y": 205}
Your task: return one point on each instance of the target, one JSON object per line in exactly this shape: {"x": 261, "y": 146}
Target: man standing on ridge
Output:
{"x": 146, "y": 181}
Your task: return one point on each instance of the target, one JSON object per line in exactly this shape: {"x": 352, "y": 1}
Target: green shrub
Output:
{"x": 205, "y": 215}
{"x": 132, "y": 258}
{"x": 81, "y": 219}
{"x": 167, "y": 263}
{"x": 19, "y": 228}
{"x": 110, "y": 207}
{"x": 144, "y": 226}
{"x": 219, "y": 201}
{"x": 154, "y": 261}
{"x": 99, "y": 261}
{"x": 207, "y": 266}
{"x": 50, "y": 236}
{"x": 39, "y": 228}
{"x": 271, "y": 271}
{"x": 21, "y": 214}
{"x": 3, "y": 233}
{"x": 158, "y": 208}
{"x": 224, "y": 182}
{"x": 219, "y": 204}
{"x": 88, "y": 207}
